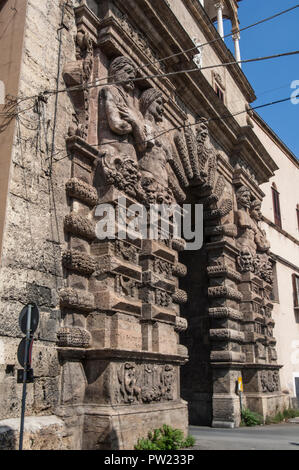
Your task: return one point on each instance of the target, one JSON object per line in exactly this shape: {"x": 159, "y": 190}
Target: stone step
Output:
{"x": 40, "y": 433}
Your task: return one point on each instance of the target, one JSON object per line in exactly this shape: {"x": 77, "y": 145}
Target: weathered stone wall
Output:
{"x": 33, "y": 240}
{"x": 117, "y": 307}
{"x": 12, "y": 22}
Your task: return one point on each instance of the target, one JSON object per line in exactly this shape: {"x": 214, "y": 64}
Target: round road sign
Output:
{"x": 34, "y": 318}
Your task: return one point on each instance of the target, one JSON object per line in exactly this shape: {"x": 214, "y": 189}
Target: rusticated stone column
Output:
{"x": 119, "y": 342}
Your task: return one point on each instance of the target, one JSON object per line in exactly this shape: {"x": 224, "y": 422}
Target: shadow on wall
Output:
{"x": 99, "y": 434}
{"x": 196, "y": 375}
{"x": 8, "y": 440}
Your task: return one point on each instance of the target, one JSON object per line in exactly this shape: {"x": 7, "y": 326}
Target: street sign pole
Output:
{"x": 240, "y": 390}
{"x": 241, "y": 405}
{"x": 28, "y": 333}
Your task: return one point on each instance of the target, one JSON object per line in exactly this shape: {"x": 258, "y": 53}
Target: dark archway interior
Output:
{"x": 196, "y": 375}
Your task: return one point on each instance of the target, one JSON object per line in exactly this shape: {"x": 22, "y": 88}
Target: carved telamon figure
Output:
{"x": 77, "y": 74}
{"x": 246, "y": 229}
{"x": 202, "y": 138}
{"x": 120, "y": 126}
{"x": 263, "y": 265}
{"x": 260, "y": 238}
{"x": 119, "y": 122}
{"x": 155, "y": 150}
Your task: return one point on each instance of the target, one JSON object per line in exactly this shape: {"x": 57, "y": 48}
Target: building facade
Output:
{"x": 119, "y": 104}
{"x": 280, "y": 221}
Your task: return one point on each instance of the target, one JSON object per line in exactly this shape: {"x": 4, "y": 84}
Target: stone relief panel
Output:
{"x": 145, "y": 383}
{"x": 270, "y": 381}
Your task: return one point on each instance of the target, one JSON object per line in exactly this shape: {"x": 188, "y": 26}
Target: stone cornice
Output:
{"x": 280, "y": 230}
{"x": 120, "y": 354}
{"x": 274, "y": 137}
{"x": 255, "y": 154}
{"x": 240, "y": 177}
{"x": 285, "y": 262}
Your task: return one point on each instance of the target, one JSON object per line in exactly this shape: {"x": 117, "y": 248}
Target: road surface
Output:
{"x": 283, "y": 436}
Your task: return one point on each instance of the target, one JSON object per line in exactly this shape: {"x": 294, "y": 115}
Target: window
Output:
{"x": 219, "y": 85}
{"x": 219, "y": 93}
{"x": 296, "y": 289}
{"x": 276, "y": 205}
{"x": 296, "y": 380}
{"x": 274, "y": 293}
{"x": 297, "y": 211}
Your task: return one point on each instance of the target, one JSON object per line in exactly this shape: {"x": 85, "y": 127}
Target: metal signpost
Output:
{"x": 28, "y": 321}
{"x": 240, "y": 390}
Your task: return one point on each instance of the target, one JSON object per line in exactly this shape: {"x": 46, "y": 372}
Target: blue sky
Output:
{"x": 272, "y": 79}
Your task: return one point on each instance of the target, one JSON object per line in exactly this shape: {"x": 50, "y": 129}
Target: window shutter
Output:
{"x": 276, "y": 207}
{"x": 295, "y": 280}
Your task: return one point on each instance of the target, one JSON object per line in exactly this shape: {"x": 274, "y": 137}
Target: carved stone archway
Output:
{"x": 123, "y": 305}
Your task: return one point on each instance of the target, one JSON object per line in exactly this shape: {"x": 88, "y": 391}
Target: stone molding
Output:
{"x": 73, "y": 337}
{"x": 82, "y": 191}
{"x": 225, "y": 312}
{"x": 226, "y": 292}
{"x": 226, "y": 334}
{"x": 76, "y": 299}
{"x": 79, "y": 262}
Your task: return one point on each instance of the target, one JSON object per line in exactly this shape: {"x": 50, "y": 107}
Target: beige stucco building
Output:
{"x": 282, "y": 228}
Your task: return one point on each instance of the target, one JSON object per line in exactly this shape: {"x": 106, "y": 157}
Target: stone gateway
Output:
{"x": 134, "y": 333}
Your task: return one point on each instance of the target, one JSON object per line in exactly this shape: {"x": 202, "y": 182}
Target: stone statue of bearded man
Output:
{"x": 119, "y": 126}
{"x": 155, "y": 150}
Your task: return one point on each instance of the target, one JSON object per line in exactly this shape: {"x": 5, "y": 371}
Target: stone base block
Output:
{"x": 40, "y": 433}
{"x": 267, "y": 404}
{"x": 107, "y": 428}
{"x": 226, "y": 411}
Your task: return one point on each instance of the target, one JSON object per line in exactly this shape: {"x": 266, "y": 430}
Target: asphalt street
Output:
{"x": 283, "y": 436}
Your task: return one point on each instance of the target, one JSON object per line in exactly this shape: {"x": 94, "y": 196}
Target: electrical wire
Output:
{"x": 183, "y": 126}
{"x": 207, "y": 43}
{"x": 214, "y": 40}
{"x": 48, "y": 92}
{"x": 169, "y": 74}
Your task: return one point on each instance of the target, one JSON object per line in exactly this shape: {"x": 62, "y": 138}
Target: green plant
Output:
{"x": 165, "y": 438}
{"x": 291, "y": 413}
{"x": 189, "y": 442}
{"x": 286, "y": 414}
{"x": 251, "y": 418}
